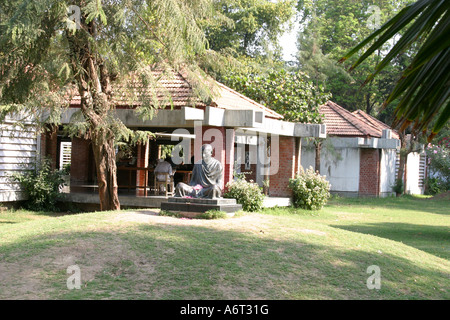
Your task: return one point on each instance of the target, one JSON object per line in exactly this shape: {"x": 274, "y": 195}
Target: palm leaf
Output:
{"x": 424, "y": 84}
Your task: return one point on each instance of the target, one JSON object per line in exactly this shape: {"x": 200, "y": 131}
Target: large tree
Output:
{"x": 49, "y": 45}
{"x": 248, "y": 27}
{"x": 329, "y": 28}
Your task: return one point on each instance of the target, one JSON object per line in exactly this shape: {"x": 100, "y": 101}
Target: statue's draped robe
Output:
{"x": 205, "y": 181}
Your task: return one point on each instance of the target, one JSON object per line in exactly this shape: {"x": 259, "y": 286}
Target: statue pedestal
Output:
{"x": 193, "y": 206}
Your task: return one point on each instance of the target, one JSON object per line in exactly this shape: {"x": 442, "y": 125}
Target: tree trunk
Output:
{"x": 402, "y": 163}
{"x": 94, "y": 87}
{"x": 104, "y": 155}
{"x": 318, "y": 147}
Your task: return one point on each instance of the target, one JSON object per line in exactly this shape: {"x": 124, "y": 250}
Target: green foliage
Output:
{"x": 398, "y": 187}
{"x": 290, "y": 94}
{"x": 39, "y": 56}
{"x": 438, "y": 179}
{"x": 246, "y": 193}
{"x": 310, "y": 190}
{"x": 41, "y": 186}
{"x": 207, "y": 215}
{"x": 423, "y": 86}
{"x": 212, "y": 214}
{"x": 165, "y": 213}
{"x": 116, "y": 44}
{"x": 248, "y": 27}
{"x": 329, "y": 29}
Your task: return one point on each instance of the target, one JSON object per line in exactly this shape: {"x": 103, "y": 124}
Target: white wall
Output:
{"x": 18, "y": 149}
{"x": 413, "y": 180}
{"x": 339, "y": 164}
{"x": 387, "y": 171}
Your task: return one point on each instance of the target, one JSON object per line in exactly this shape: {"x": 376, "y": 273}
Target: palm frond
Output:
{"x": 424, "y": 84}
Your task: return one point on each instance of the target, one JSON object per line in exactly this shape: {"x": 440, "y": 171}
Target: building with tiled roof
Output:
{"x": 359, "y": 155}
{"x": 241, "y": 131}
{"x": 341, "y": 122}
{"x": 173, "y": 91}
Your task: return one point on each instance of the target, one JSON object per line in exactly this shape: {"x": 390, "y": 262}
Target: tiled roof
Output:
{"x": 374, "y": 122}
{"x": 231, "y": 99}
{"x": 175, "y": 90}
{"x": 133, "y": 93}
{"x": 341, "y": 122}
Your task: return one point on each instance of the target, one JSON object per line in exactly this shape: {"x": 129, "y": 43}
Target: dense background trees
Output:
{"x": 329, "y": 29}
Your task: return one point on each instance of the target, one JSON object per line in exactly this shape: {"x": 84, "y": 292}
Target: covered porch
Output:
{"x": 246, "y": 137}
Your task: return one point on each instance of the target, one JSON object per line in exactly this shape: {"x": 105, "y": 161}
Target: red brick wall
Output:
{"x": 142, "y": 162}
{"x": 49, "y": 146}
{"x": 279, "y": 176}
{"x": 79, "y": 167}
{"x": 369, "y": 172}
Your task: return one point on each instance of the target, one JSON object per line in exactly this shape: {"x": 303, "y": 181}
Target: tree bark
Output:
{"x": 104, "y": 155}
{"x": 402, "y": 164}
{"x": 94, "y": 87}
{"x": 318, "y": 147}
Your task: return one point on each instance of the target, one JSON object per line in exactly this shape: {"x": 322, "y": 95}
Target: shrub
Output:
{"x": 398, "y": 186}
{"x": 247, "y": 193}
{"x": 212, "y": 214}
{"x": 310, "y": 190}
{"x": 41, "y": 186}
{"x": 438, "y": 179}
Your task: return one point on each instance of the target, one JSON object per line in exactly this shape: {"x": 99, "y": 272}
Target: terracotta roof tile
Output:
{"x": 231, "y": 99}
{"x": 374, "y": 122}
{"x": 341, "y": 122}
{"x": 181, "y": 94}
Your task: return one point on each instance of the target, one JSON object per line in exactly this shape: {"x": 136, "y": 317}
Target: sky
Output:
{"x": 289, "y": 43}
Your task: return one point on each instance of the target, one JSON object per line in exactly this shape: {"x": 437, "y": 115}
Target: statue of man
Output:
{"x": 206, "y": 178}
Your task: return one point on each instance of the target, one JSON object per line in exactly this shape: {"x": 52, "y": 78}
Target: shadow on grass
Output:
{"x": 164, "y": 261}
{"x": 422, "y": 237}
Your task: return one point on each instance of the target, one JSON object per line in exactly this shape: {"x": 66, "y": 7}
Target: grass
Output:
{"x": 278, "y": 253}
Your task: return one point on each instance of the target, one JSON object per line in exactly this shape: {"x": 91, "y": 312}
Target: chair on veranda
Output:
{"x": 167, "y": 183}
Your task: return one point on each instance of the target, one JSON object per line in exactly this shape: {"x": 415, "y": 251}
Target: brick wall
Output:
{"x": 142, "y": 162}
{"x": 80, "y": 160}
{"x": 49, "y": 146}
{"x": 369, "y": 172}
{"x": 283, "y": 168}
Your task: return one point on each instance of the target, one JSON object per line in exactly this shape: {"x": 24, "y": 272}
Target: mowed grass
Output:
{"x": 278, "y": 253}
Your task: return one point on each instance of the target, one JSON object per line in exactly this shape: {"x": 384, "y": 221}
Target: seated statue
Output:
{"x": 206, "y": 178}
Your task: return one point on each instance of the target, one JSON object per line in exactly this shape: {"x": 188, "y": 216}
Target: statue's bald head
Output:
{"x": 207, "y": 151}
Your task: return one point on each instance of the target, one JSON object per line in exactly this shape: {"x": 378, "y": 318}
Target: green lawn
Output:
{"x": 279, "y": 253}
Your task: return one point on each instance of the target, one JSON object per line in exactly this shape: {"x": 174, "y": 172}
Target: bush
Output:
{"x": 41, "y": 186}
{"x": 398, "y": 186}
{"x": 438, "y": 179}
{"x": 213, "y": 214}
{"x": 248, "y": 194}
{"x": 310, "y": 190}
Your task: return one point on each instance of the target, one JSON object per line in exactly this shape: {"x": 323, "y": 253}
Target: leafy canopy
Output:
{"x": 290, "y": 94}
{"x": 38, "y": 61}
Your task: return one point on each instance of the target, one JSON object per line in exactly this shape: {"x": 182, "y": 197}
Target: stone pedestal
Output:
{"x": 193, "y": 206}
